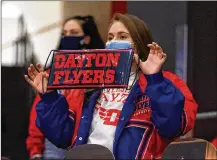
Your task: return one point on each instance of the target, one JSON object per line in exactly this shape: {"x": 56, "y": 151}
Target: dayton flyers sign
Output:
{"x": 90, "y": 69}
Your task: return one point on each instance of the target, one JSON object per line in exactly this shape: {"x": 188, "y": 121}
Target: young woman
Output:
{"x": 134, "y": 124}
{"x": 77, "y": 33}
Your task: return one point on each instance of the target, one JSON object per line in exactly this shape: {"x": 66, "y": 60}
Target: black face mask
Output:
{"x": 71, "y": 43}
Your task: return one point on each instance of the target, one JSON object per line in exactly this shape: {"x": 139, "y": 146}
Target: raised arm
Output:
{"x": 173, "y": 106}
{"x": 55, "y": 118}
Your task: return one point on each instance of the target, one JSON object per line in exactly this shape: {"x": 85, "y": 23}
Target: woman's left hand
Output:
{"x": 155, "y": 60}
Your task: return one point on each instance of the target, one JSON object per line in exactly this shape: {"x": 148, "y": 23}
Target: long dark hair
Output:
{"x": 90, "y": 29}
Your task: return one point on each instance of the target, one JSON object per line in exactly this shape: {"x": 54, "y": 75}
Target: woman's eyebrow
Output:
{"x": 73, "y": 30}
{"x": 121, "y": 32}
{"x": 65, "y": 30}
{"x": 110, "y": 33}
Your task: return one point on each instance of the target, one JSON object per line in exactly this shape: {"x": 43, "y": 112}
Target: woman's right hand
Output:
{"x": 35, "y": 78}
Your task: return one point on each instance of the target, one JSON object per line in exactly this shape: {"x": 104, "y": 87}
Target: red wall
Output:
{"x": 118, "y": 6}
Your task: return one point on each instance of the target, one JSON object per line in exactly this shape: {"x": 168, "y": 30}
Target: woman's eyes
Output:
{"x": 74, "y": 33}
{"x": 109, "y": 38}
{"x": 123, "y": 37}
{"x": 119, "y": 37}
{"x": 70, "y": 33}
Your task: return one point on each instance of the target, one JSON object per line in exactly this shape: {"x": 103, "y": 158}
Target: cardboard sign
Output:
{"x": 90, "y": 69}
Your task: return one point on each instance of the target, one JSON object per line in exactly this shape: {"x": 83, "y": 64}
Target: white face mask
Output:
{"x": 118, "y": 44}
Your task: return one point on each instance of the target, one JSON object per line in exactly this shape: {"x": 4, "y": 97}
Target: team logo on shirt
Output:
{"x": 143, "y": 102}
{"x": 143, "y": 106}
{"x": 109, "y": 116}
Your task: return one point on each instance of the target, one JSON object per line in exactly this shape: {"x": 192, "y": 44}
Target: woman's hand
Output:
{"x": 155, "y": 60}
{"x": 35, "y": 78}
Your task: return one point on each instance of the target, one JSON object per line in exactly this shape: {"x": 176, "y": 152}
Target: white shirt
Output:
{"x": 106, "y": 115}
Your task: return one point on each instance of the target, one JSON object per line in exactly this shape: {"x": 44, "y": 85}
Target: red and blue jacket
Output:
{"x": 159, "y": 109}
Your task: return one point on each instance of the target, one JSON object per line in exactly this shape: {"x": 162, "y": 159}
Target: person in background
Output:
{"x": 133, "y": 124}
{"x": 77, "y": 33}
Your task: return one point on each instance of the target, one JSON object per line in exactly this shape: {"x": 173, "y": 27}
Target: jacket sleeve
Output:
{"x": 173, "y": 106}
{"x": 55, "y": 119}
{"x": 35, "y": 139}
